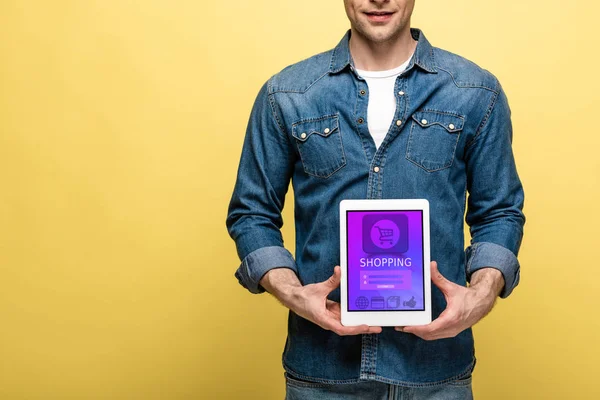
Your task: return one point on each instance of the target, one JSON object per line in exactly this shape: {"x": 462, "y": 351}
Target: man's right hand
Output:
{"x": 310, "y": 301}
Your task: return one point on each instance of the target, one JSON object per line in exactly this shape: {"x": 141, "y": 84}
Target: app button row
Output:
{"x": 381, "y": 303}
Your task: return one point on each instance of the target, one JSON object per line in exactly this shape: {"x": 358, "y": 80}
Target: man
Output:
{"x": 383, "y": 115}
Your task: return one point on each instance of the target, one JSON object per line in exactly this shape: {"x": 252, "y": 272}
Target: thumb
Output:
{"x": 439, "y": 280}
{"x": 334, "y": 280}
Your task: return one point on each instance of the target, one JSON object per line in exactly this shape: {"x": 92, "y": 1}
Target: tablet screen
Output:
{"x": 385, "y": 260}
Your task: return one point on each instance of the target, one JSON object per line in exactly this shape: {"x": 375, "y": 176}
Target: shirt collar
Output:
{"x": 423, "y": 56}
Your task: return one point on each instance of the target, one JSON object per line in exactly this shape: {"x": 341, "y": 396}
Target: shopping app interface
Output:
{"x": 385, "y": 260}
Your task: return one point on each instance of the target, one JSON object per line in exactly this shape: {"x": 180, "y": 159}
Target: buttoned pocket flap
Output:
{"x": 323, "y": 126}
{"x": 451, "y": 122}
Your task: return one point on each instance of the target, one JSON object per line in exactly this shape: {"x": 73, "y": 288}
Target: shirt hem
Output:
{"x": 380, "y": 378}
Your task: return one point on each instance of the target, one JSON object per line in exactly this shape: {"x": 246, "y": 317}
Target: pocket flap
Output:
{"x": 450, "y": 121}
{"x": 323, "y": 126}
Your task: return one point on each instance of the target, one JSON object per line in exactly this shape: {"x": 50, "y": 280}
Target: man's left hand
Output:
{"x": 465, "y": 305}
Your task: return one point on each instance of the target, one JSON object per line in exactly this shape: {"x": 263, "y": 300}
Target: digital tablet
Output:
{"x": 384, "y": 257}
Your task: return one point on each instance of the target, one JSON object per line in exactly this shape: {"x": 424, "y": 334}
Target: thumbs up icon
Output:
{"x": 411, "y": 303}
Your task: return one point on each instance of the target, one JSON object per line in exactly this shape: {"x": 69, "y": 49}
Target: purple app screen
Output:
{"x": 385, "y": 260}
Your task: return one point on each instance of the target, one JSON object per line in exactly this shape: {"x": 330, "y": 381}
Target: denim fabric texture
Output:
{"x": 451, "y": 136}
{"x": 460, "y": 389}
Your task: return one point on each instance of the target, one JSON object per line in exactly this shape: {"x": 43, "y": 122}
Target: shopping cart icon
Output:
{"x": 385, "y": 235}
{"x": 385, "y": 232}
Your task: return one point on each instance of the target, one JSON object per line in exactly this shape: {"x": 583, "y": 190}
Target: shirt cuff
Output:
{"x": 256, "y": 264}
{"x": 486, "y": 254}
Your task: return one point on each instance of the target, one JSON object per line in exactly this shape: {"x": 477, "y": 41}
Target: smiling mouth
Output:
{"x": 379, "y": 13}
{"x": 379, "y": 16}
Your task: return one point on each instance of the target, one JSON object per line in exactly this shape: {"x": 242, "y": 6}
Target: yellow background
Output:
{"x": 121, "y": 124}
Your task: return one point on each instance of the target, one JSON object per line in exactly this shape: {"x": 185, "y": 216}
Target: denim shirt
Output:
{"x": 451, "y": 135}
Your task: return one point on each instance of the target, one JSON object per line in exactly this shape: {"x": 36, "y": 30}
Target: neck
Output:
{"x": 380, "y": 56}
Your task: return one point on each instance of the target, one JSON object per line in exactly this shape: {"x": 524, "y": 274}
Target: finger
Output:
{"x": 334, "y": 314}
{"x": 342, "y": 330}
{"x": 439, "y": 280}
{"x": 331, "y": 321}
{"x": 374, "y": 329}
{"x": 368, "y": 329}
{"x": 334, "y": 280}
{"x": 334, "y": 307}
{"x": 437, "y": 328}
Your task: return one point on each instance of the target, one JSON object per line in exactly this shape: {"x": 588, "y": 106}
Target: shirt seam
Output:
{"x": 272, "y": 103}
{"x": 299, "y": 91}
{"x": 464, "y": 86}
{"x": 484, "y": 120}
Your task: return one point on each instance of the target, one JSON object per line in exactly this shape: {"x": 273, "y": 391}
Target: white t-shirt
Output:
{"x": 382, "y": 100}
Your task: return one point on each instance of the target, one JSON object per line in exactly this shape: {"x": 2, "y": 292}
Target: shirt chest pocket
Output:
{"x": 433, "y": 138}
{"x": 319, "y": 143}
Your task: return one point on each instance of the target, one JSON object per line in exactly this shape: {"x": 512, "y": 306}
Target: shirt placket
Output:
{"x": 375, "y": 185}
{"x": 368, "y": 367}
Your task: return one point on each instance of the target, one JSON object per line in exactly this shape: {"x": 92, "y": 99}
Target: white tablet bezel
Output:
{"x": 385, "y": 318}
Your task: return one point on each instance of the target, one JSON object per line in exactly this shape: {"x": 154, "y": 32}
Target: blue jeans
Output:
{"x": 297, "y": 389}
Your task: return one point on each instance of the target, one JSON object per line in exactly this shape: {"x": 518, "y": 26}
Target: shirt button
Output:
{"x": 327, "y": 130}
{"x": 363, "y": 92}
{"x": 451, "y": 126}
{"x": 376, "y": 169}
{"x": 303, "y": 135}
{"x": 424, "y": 121}
{"x": 401, "y": 93}
{"x": 360, "y": 120}
{"x": 399, "y": 122}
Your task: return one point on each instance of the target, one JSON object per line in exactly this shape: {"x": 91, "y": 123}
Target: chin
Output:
{"x": 379, "y": 35}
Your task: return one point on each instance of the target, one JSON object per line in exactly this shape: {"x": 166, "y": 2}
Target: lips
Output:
{"x": 379, "y": 16}
{"x": 378, "y": 12}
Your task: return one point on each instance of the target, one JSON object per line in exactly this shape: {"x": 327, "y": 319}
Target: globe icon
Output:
{"x": 362, "y": 302}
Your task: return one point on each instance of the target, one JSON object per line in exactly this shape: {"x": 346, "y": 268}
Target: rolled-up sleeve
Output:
{"x": 254, "y": 218}
{"x": 496, "y": 198}
{"x": 256, "y": 264}
{"x": 485, "y": 254}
